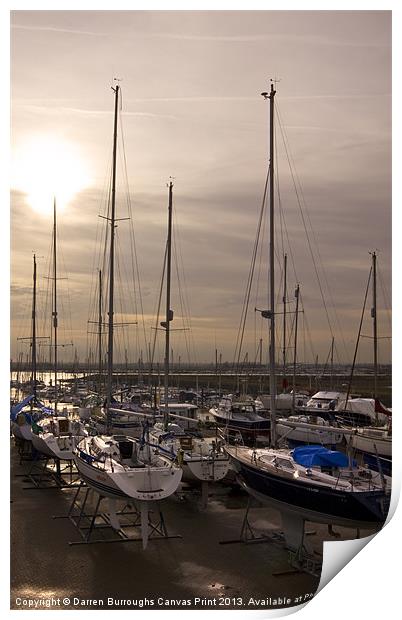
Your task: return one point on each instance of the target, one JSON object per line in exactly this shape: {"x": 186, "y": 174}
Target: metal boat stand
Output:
{"x": 124, "y": 525}
{"x": 249, "y": 535}
{"x": 24, "y": 449}
{"x": 51, "y": 473}
{"x": 202, "y": 491}
{"x": 301, "y": 555}
{"x": 292, "y": 537}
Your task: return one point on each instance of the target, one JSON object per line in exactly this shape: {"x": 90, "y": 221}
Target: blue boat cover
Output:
{"x": 17, "y": 408}
{"x": 310, "y": 456}
{"x": 20, "y": 406}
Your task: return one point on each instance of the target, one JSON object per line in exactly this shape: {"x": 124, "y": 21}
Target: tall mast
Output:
{"x": 34, "y": 328}
{"x": 271, "y": 312}
{"x": 374, "y": 317}
{"x": 331, "y": 383}
{"x": 111, "y": 265}
{"x": 54, "y": 313}
{"x": 169, "y": 313}
{"x": 100, "y": 331}
{"x": 285, "y": 266}
{"x": 297, "y": 296}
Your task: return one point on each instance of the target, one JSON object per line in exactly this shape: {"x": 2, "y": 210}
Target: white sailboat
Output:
{"x": 375, "y": 441}
{"x": 23, "y": 413}
{"x": 56, "y": 435}
{"x": 201, "y": 460}
{"x": 117, "y": 466}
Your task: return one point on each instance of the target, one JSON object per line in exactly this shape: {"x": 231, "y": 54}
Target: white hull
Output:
{"x": 146, "y": 483}
{"x": 142, "y": 485}
{"x": 308, "y": 435}
{"x": 199, "y": 460}
{"x": 23, "y": 432}
{"x": 206, "y": 470}
{"x": 55, "y": 447}
{"x": 57, "y": 436}
{"x": 372, "y": 445}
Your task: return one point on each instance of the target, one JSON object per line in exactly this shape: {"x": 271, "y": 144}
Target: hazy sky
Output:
{"x": 191, "y": 109}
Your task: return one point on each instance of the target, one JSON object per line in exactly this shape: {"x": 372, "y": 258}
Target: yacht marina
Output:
{"x": 200, "y": 383}
{"x": 197, "y": 564}
{"x": 196, "y": 539}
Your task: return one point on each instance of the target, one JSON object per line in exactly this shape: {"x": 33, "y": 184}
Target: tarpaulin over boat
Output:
{"x": 310, "y": 456}
{"x": 17, "y": 408}
{"x": 374, "y": 409}
{"x": 20, "y": 406}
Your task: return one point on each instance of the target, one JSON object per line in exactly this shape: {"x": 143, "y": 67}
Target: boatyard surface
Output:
{"x": 195, "y": 571}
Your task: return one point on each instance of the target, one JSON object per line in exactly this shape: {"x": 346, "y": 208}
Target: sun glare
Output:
{"x": 45, "y": 167}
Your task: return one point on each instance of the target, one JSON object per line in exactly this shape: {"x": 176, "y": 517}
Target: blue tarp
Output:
{"x": 17, "y": 408}
{"x": 310, "y": 456}
{"x": 45, "y": 410}
{"x": 20, "y": 406}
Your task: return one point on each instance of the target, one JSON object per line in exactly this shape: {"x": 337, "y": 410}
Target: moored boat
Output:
{"x": 117, "y": 466}
{"x": 309, "y": 482}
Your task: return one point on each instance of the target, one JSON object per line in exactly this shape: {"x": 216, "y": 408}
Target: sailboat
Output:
{"x": 201, "y": 460}
{"x": 117, "y": 466}
{"x": 375, "y": 441}
{"x": 311, "y": 482}
{"x": 56, "y": 435}
{"x": 30, "y": 409}
{"x": 241, "y": 414}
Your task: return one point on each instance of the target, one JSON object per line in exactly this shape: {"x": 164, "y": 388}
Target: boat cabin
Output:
{"x": 325, "y": 400}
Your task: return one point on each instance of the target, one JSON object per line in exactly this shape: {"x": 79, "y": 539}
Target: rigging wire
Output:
{"x": 244, "y": 311}
{"x": 386, "y": 298}
{"x": 157, "y": 313}
{"x": 133, "y": 245}
{"x": 302, "y": 203}
{"x": 358, "y": 338}
{"x": 182, "y": 289}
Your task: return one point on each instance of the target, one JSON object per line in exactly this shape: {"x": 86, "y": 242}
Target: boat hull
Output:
{"x": 371, "y": 445}
{"x": 55, "y": 447}
{"x": 145, "y": 484}
{"x": 249, "y": 430}
{"x": 347, "y": 508}
{"x": 202, "y": 464}
{"x": 205, "y": 470}
{"x": 381, "y": 464}
{"x": 301, "y": 436}
{"x": 23, "y": 432}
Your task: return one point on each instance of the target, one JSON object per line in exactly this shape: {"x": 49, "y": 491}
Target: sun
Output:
{"x": 45, "y": 167}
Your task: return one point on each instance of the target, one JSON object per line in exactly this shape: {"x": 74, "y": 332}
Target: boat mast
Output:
{"x": 331, "y": 383}
{"x": 111, "y": 266}
{"x": 297, "y": 296}
{"x": 100, "y": 331}
{"x": 374, "y": 317}
{"x": 169, "y": 313}
{"x": 285, "y": 266}
{"x": 54, "y": 313}
{"x": 271, "y": 313}
{"x": 34, "y": 329}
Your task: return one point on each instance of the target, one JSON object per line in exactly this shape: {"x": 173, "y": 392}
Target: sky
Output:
{"x": 192, "y": 110}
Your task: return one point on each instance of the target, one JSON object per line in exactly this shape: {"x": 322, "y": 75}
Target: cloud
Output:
{"x": 191, "y": 90}
{"x": 58, "y": 30}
